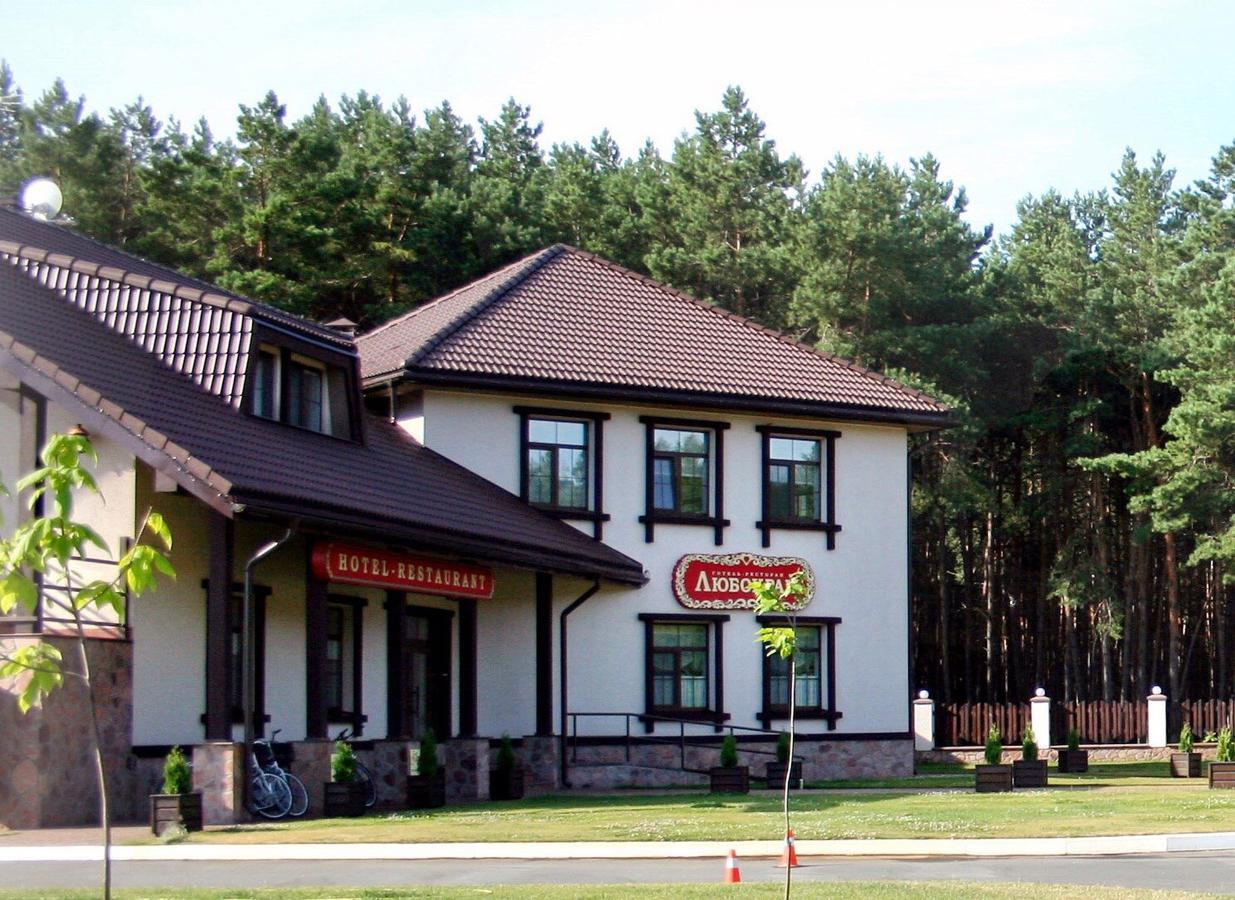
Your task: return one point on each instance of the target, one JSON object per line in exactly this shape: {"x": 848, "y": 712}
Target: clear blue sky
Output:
{"x": 1012, "y": 98}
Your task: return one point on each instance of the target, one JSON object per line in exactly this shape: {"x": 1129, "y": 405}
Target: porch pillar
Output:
{"x": 315, "y": 626}
{"x": 544, "y": 654}
{"x": 396, "y": 665}
{"x": 218, "y": 718}
{"x": 467, "y": 667}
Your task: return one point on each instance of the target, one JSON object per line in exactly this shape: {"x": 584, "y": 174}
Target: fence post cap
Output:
{"x": 1040, "y": 692}
{"x": 924, "y": 695}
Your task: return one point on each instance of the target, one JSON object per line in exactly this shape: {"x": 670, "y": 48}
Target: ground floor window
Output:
{"x": 684, "y": 667}
{"x": 815, "y": 689}
{"x": 344, "y": 653}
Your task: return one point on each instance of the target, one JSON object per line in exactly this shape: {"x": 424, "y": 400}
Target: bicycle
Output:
{"x": 362, "y": 774}
{"x": 269, "y": 795}
{"x": 262, "y": 754}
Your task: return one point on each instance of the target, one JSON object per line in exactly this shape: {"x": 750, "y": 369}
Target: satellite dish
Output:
{"x": 41, "y": 198}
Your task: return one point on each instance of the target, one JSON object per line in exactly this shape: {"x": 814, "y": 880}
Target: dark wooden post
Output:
{"x": 544, "y": 654}
{"x": 467, "y": 668}
{"x": 219, "y": 628}
{"x": 315, "y": 626}
{"x": 396, "y": 665}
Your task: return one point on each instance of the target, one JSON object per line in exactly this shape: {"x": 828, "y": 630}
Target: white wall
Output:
{"x": 863, "y": 580}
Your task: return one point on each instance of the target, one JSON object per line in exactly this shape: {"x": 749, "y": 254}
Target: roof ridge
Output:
{"x": 217, "y": 298}
{"x": 780, "y": 336}
{"x": 537, "y": 261}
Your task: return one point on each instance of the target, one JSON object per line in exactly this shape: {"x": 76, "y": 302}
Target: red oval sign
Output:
{"x": 703, "y": 581}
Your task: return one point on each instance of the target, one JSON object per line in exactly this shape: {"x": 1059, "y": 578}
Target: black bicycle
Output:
{"x": 362, "y": 775}
{"x": 266, "y": 764}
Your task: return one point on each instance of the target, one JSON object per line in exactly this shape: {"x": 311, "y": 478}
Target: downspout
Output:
{"x": 583, "y": 598}
{"x": 250, "y": 635}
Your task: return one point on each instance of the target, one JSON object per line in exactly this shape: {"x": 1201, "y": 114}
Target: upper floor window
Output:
{"x": 560, "y": 462}
{"x": 799, "y": 476}
{"x": 300, "y": 390}
{"x": 685, "y": 474}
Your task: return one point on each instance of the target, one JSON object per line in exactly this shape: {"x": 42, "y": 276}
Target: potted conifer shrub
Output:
{"x": 506, "y": 782}
{"x": 1074, "y": 759}
{"x": 1029, "y": 771}
{"x": 729, "y": 777}
{"x": 776, "y": 770}
{"x": 427, "y": 788}
{"x": 178, "y": 805}
{"x": 1222, "y": 769}
{"x": 994, "y": 776}
{"x": 345, "y": 796}
{"x": 1187, "y": 762}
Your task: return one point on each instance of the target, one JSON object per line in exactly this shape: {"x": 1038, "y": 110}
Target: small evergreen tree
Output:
{"x": 426, "y": 762}
{"x": 994, "y": 746}
{"x": 1029, "y": 744}
{"x": 177, "y": 778}
{"x": 343, "y": 763}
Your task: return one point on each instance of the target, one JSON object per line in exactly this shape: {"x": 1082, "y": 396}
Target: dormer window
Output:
{"x": 300, "y": 390}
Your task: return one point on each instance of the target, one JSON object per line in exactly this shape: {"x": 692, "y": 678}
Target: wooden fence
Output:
{"x": 1097, "y": 722}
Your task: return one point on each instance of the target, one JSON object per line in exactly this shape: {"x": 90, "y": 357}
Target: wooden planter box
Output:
{"x": 426, "y": 791}
{"x": 776, "y": 776}
{"x": 345, "y": 798}
{"x": 1186, "y": 765}
{"x": 1073, "y": 761}
{"x": 729, "y": 780}
{"x": 1222, "y": 774}
{"x": 506, "y": 785}
{"x": 988, "y": 779}
{"x": 176, "y": 809}
{"x": 1029, "y": 773}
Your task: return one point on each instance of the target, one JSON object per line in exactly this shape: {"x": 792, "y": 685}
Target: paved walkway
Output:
{"x": 82, "y": 845}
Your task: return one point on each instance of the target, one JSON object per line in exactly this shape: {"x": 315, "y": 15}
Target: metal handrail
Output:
{"x": 680, "y": 738}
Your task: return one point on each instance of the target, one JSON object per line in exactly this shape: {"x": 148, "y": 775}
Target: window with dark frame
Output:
{"x": 684, "y": 474}
{"x": 265, "y": 385}
{"x": 684, "y": 667}
{"x": 561, "y": 463}
{"x": 815, "y": 677}
{"x": 304, "y": 393}
{"x": 799, "y": 481}
{"x": 299, "y": 389}
{"x": 344, "y": 634}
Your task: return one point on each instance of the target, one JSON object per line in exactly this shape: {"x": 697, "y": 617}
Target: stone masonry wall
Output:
{"x": 47, "y": 754}
{"x": 1097, "y": 753}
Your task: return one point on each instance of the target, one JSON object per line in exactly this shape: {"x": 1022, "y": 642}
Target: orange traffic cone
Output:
{"x": 788, "y": 856}
{"x": 733, "y": 875}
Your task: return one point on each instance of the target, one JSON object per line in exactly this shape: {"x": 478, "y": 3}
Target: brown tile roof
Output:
{"x": 389, "y": 487}
{"x": 569, "y": 319}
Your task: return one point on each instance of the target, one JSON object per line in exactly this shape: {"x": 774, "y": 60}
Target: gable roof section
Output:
{"x": 569, "y": 320}
{"x": 390, "y": 487}
{"x": 193, "y": 327}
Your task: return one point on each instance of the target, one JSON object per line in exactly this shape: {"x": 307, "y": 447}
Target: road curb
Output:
{"x": 1114, "y": 845}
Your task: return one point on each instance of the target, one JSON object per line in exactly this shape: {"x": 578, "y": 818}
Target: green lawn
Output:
{"x": 853, "y": 890}
{"x": 1076, "y": 810}
{"x": 955, "y": 775}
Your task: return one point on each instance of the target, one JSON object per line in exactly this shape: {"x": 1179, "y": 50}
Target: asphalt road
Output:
{"x": 1214, "y": 872}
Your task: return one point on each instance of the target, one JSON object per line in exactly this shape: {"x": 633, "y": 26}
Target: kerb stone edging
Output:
{"x": 1111, "y": 845}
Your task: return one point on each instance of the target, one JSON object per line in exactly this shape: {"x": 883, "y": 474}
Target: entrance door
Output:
{"x": 427, "y": 693}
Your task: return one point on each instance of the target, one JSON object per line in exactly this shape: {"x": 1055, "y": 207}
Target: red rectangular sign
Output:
{"x": 355, "y": 564}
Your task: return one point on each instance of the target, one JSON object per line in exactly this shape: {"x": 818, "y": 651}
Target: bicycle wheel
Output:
{"x": 271, "y": 795}
{"x": 362, "y": 775}
{"x": 300, "y": 797}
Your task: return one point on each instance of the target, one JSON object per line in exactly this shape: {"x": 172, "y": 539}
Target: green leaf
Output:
{"x": 17, "y": 588}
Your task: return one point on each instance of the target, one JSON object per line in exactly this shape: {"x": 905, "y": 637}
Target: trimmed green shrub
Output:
{"x": 782, "y": 748}
{"x": 994, "y": 746}
{"x": 426, "y": 763}
{"x": 505, "y": 755}
{"x": 1074, "y": 739}
{"x": 1185, "y": 739}
{"x": 1029, "y": 744}
{"x": 343, "y": 762}
{"x": 177, "y": 778}
{"x": 729, "y": 752}
{"x": 1226, "y": 745}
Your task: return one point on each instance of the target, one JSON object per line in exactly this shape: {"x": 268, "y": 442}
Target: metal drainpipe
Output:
{"x": 250, "y": 652}
{"x": 583, "y": 598}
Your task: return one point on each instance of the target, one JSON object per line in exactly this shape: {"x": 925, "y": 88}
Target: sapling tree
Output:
{"x": 782, "y": 640}
{"x": 47, "y": 545}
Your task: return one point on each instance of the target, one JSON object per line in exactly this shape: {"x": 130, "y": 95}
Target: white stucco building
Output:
{"x": 481, "y": 507}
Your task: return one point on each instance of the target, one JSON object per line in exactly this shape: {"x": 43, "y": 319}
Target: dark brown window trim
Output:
{"x": 354, "y": 716}
{"x": 828, "y": 475}
{"x": 715, "y": 714}
{"x": 827, "y": 633}
{"x": 652, "y": 516}
{"x": 596, "y": 514}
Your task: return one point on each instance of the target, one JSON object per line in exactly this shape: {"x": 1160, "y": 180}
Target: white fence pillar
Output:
{"x": 924, "y": 722}
{"x": 1040, "y": 719}
{"x": 1157, "y": 718}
